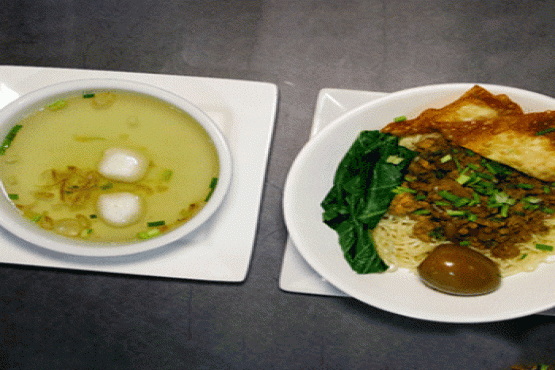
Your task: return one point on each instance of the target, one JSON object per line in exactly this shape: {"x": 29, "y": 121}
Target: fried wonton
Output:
{"x": 525, "y": 142}
{"x": 475, "y": 104}
{"x": 494, "y": 127}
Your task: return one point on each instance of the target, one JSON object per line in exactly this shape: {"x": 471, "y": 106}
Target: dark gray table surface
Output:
{"x": 54, "y": 319}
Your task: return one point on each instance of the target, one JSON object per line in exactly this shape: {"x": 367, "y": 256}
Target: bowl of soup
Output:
{"x": 106, "y": 167}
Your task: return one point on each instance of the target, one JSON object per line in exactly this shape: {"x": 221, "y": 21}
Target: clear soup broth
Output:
{"x": 49, "y": 166}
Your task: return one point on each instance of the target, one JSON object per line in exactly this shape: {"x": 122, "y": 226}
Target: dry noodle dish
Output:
{"x": 462, "y": 195}
{"x": 108, "y": 167}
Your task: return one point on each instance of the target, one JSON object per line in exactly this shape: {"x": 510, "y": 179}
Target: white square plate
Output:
{"x": 222, "y": 249}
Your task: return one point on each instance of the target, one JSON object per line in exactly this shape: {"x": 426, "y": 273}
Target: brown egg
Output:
{"x": 459, "y": 270}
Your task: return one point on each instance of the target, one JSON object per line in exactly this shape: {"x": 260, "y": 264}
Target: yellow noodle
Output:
{"x": 399, "y": 249}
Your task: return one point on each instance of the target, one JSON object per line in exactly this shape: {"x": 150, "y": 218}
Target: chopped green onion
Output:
{"x": 475, "y": 200}
{"x": 9, "y": 138}
{"x": 546, "y": 131}
{"x": 421, "y": 212}
{"x": 471, "y": 217}
{"x": 420, "y": 197}
{"x": 166, "y": 175}
{"x": 403, "y": 189}
{"x": 544, "y": 247}
{"x": 442, "y": 203}
{"x": 470, "y": 152}
{"x": 57, "y": 105}
{"x": 461, "y": 202}
{"x": 36, "y": 218}
{"x": 490, "y": 168}
{"x": 525, "y": 186}
{"x": 463, "y": 179}
{"x": 505, "y": 210}
{"x": 464, "y": 243}
{"x": 88, "y": 96}
{"x": 546, "y": 190}
{"x": 524, "y": 255}
{"x": 156, "y": 223}
{"x": 548, "y": 210}
{"x": 107, "y": 186}
{"x": 148, "y": 234}
{"x": 473, "y": 166}
{"x": 400, "y": 119}
{"x": 212, "y": 186}
{"x": 86, "y": 233}
{"x": 503, "y": 198}
{"x": 449, "y": 196}
{"x": 533, "y": 200}
{"x": 446, "y": 158}
{"x": 452, "y": 212}
{"x": 13, "y": 196}
{"x": 93, "y": 216}
{"x": 486, "y": 176}
{"x": 394, "y": 159}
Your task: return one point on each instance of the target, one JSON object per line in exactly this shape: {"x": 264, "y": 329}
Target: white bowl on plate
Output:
{"x": 311, "y": 177}
{"x": 10, "y": 218}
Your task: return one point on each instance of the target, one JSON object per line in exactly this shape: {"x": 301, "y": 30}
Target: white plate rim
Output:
{"x": 291, "y": 208}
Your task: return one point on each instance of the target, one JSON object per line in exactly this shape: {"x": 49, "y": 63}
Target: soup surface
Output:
{"x": 50, "y": 170}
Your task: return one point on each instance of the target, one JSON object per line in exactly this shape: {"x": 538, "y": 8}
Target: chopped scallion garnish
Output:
{"x": 421, "y": 212}
{"x": 504, "y": 210}
{"x": 464, "y": 243}
{"x": 461, "y": 202}
{"x": 57, "y": 105}
{"x": 149, "y": 233}
{"x": 9, "y": 138}
{"x": 544, "y": 247}
{"x": 463, "y": 179}
{"x": 107, "y": 186}
{"x": 448, "y": 196}
{"x": 13, "y": 196}
{"x": 394, "y": 159}
{"x": 88, "y": 96}
{"x": 446, "y": 158}
{"x": 533, "y": 200}
{"x": 442, "y": 203}
{"x": 166, "y": 175}
{"x": 86, "y": 233}
{"x": 420, "y": 197}
{"x": 452, "y": 212}
{"x": 212, "y": 186}
{"x": 403, "y": 189}
{"x": 546, "y": 131}
{"x": 400, "y": 119}
{"x": 156, "y": 223}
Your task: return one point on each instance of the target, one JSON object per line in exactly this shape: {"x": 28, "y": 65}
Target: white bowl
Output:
{"x": 11, "y": 219}
{"x": 311, "y": 177}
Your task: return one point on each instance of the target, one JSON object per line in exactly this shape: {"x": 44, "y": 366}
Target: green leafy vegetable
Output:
{"x": 363, "y": 188}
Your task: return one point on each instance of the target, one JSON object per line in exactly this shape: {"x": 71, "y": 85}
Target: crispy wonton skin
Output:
{"x": 475, "y": 104}
{"x": 525, "y": 142}
{"x": 494, "y": 127}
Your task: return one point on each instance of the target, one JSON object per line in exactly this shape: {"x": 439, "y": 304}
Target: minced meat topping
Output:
{"x": 455, "y": 194}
